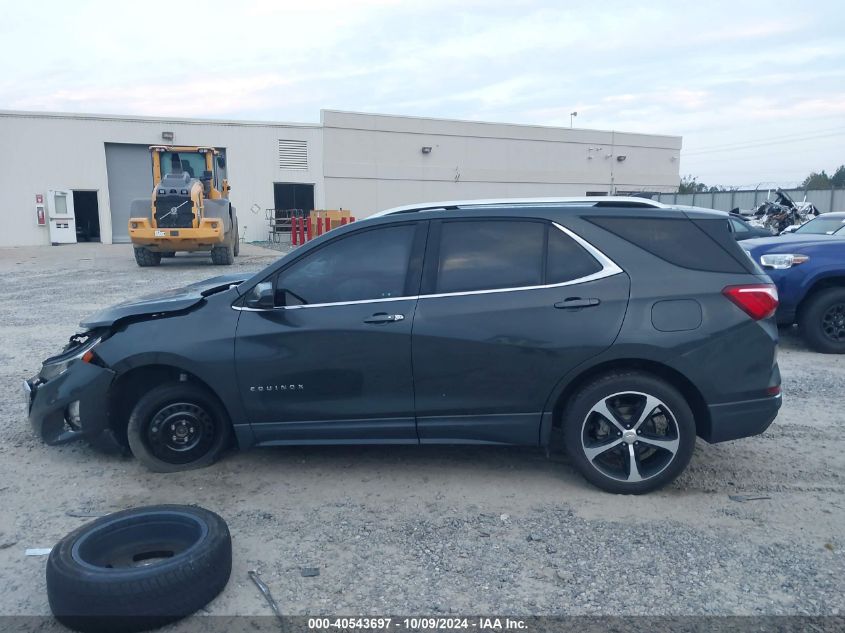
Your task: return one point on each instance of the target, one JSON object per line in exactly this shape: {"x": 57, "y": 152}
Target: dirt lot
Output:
{"x": 408, "y": 530}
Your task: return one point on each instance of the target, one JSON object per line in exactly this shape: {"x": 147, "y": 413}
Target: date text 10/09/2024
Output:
{"x": 417, "y": 624}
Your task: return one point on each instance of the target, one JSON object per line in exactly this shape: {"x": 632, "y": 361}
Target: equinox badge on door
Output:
{"x": 296, "y": 387}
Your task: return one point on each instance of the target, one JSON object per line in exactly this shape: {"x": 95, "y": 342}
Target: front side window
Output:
{"x": 484, "y": 255}
{"x": 363, "y": 266}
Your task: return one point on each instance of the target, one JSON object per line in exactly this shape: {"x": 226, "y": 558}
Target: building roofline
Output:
{"x": 32, "y": 114}
{"x": 492, "y": 123}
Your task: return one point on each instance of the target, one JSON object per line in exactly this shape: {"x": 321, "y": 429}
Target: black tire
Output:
{"x": 669, "y": 422}
{"x": 139, "y": 569}
{"x": 223, "y": 255}
{"x": 199, "y": 428}
{"x": 145, "y": 257}
{"x": 822, "y": 321}
{"x": 236, "y": 248}
{"x": 169, "y": 254}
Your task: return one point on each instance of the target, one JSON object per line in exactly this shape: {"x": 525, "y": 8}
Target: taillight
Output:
{"x": 759, "y": 301}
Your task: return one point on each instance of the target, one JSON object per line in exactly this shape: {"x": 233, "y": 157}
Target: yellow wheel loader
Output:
{"x": 190, "y": 209}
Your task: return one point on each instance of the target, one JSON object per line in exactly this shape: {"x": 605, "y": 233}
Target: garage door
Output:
{"x": 130, "y": 176}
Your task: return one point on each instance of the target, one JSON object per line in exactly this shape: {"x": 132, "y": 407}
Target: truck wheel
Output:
{"x": 146, "y": 257}
{"x": 629, "y": 432}
{"x": 822, "y": 321}
{"x": 169, "y": 254}
{"x": 178, "y": 426}
{"x": 237, "y": 246}
{"x": 139, "y": 569}
{"x": 223, "y": 255}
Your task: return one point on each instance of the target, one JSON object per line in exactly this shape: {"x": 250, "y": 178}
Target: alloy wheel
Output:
{"x": 630, "y": 436}
{"x": 833, "y": 323}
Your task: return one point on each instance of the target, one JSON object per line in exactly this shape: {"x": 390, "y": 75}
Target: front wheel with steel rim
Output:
{"x": 822, "y": 321}
{"x": 178, "y": 426}
{"x": 629, "y": 433}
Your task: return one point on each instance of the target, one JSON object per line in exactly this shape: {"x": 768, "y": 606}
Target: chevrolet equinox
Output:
{"x": 625, "y": 332}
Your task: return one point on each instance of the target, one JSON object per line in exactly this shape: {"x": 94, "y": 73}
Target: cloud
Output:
{"x": 713, "y": 72}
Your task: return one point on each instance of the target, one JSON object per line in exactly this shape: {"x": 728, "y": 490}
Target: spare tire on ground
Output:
{"x": 139, "y": 569}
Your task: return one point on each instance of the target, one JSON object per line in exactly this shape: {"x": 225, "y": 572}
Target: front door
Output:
{"x": 507, "y": 308}
{"x": 331, "y": 361}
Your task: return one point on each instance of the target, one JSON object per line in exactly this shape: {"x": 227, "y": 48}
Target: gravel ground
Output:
{"x": 427, "y": 530}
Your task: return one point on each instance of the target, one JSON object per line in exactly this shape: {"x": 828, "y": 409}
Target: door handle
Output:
{"x": 383, "y": 317}
{"x": 576, "y": 302}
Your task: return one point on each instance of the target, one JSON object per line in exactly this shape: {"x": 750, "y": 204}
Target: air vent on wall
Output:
{"x": 293, "y": 154}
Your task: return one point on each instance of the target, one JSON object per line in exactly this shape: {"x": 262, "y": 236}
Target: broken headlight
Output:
{"x": 57, "y": 365}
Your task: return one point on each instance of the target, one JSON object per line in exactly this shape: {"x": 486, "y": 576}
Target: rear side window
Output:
{"x": 493, "y": 254}
{"x": 567, "y": 260}
{"x": 483, "y": 255}
{"x": 677, "y": 241}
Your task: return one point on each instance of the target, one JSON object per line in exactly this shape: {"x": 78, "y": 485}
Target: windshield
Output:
{"x": 822, "y": 226}
{"x": 192, "y": 163}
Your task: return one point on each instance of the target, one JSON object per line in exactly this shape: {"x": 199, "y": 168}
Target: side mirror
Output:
{"x": 262, "y": 296}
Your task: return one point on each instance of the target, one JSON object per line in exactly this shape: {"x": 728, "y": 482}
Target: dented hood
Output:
{"x": 162, "y": 302}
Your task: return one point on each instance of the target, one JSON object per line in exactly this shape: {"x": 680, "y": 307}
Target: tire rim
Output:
{"x": 142, "y": 540}
{"x": 181, "y": 432}
{"x": 833, "y": 323}
{"x": 630, "y": 436}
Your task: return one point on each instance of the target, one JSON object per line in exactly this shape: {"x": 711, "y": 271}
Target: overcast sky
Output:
{"x": 756, "y": 89}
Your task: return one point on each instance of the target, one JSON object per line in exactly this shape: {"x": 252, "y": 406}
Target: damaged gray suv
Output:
{"x": 625, "y": 333}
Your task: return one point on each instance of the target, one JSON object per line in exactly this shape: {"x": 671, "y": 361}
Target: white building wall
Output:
{"x": 62, "y": 151}
{"x": 373, "y": 162}
{"x": 361, "y": 162}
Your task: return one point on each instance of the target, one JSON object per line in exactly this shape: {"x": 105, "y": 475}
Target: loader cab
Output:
{"x": 205, "y": 164}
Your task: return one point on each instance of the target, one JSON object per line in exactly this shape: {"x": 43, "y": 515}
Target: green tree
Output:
{"x": 816, "y": 180}
{"x": 689, "y": 184}
{"x": 838, "y": 177}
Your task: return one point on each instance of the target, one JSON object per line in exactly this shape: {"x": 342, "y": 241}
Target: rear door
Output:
{"x": 507, "y": 307}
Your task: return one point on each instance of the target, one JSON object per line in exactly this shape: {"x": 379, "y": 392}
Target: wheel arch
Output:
{"x": 553, "y": 416}
{"x": 133, "y": 382}
{"x": 819, "y": 284}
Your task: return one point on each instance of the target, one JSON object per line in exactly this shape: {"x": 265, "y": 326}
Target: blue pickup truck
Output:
{"x": 809, "y": 271}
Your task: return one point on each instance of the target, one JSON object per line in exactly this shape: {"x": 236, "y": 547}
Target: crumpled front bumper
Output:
{"x": 49, "y": 403}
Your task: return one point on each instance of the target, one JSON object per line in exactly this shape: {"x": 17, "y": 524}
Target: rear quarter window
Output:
{"x": 680, "y": 241}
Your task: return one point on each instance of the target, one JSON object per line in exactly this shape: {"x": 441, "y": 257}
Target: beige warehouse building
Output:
{"x": 94, "y": 165}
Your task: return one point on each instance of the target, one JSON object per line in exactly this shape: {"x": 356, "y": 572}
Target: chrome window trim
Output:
{"x": 609, "y": 269}
{"x": 324, "y": 305}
